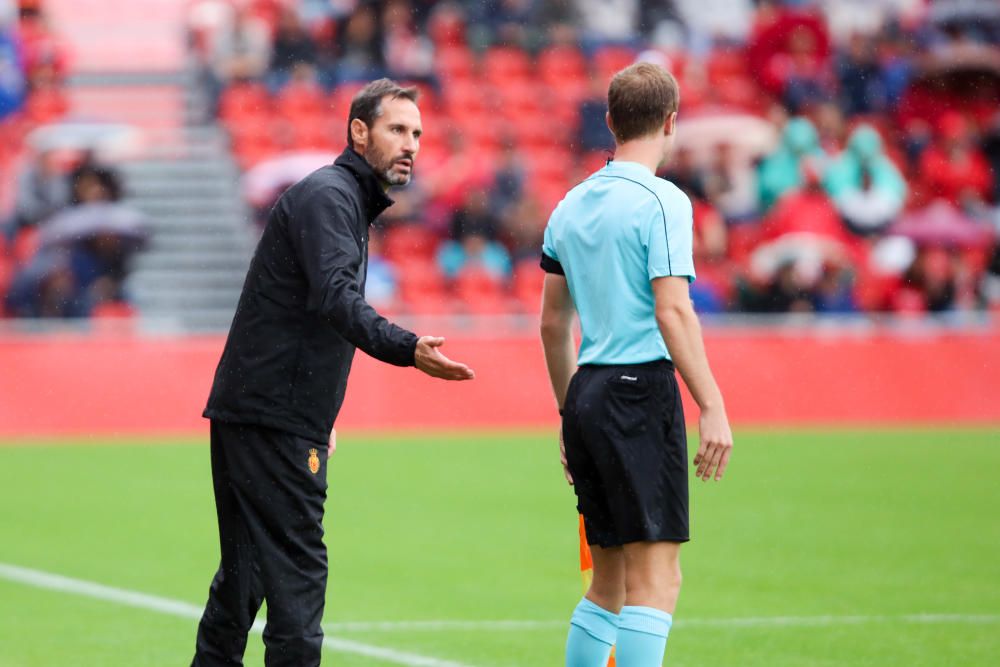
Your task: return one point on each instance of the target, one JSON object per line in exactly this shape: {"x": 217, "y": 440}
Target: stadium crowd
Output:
{"x": 841, "y": 156}
{"x": 65, "y": 239}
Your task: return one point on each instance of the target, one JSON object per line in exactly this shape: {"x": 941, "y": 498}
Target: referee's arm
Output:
{"x": 557, "y": 339}
{"x": 681, "y": 332}
{"x": 557, "y": 334}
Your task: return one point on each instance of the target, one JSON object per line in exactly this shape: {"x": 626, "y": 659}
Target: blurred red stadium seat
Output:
{"x": 455, "y": 64}
{"x": 6, "y": 273}
{"x": 548, "y": 163}
{"x": 481, "y": 292}
{"x": 609, "y": 59}
{"x": 908, "y": 301}
{"x": 724, "y": 65}
{"x": 113, "y": 310}
{"x": 301, "y": 100}
{"x": 447, "y": 29}
{"x": 465, "y": 98}
{"x": 46, "y": 106}
{"x": 253, "y": 141}
{"x": 408, "y": 242}
{"x": 314, "y": 133}
{"x": 503, "y": 64}
{"x": 527, "y": 285}
{"x": 741, "y": 240}
{"x": 422, "y": 287}
{"x": 560, "y": 64}
{"x": 244, "y": 100}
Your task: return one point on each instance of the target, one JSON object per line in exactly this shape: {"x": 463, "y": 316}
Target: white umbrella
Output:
{"x": 808, "y": 252}
{"x": 749, "y": 135}
{"x": 86, "y": 221}
{"x": 869, "y": 210}
{"x": 107, "y": 140}
{"x": 261, "y": 182}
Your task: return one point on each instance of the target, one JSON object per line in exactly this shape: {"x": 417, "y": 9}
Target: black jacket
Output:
{"x": 302, "y": 312}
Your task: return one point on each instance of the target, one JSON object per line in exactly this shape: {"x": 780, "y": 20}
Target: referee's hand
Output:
{"x": 428, "y": 358}
{"x": 562, "y": 458}
{"x": 716, "y": 445}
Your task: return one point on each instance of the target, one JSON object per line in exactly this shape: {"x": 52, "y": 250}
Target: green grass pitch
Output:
{"x": 823, "y": 547}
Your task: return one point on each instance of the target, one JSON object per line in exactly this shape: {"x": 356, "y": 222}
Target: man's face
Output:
{"x": 393, "y": 141}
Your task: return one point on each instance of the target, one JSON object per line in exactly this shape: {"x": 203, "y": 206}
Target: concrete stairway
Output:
{"x": 131, "y": 67}
{"x": 184, "y": 178}
{"x": 190, "y": 276}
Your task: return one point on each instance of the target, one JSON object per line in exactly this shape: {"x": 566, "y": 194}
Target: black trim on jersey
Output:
{"x": 550, "y": 265}
{"x": 663, "y": 213}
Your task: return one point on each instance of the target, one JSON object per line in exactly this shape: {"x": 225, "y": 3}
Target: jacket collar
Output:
{"x": 372, "y": 193}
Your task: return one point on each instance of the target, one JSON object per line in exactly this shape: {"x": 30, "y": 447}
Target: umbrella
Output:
{"x": 107, "y": 140}
{"x": 868, "y": 211}
{"x": 807, "y": 251}
{"x": 748, "y": 134}
{"x": 89, "y": 220}
{"x": 262, "y": 181}
{"x": 961, "y": 58}
{"x": 942, "y": 224}
{"x": 963, "y": 78}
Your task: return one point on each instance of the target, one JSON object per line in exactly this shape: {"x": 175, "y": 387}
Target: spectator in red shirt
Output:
{"x": 954, "y": 169}
{"x": 807, "y": 209}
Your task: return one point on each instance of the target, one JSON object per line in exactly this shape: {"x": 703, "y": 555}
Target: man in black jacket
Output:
{"x": 281, "y": 382}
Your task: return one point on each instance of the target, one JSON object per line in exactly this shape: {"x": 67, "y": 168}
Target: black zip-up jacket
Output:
{"x": 303, "y": 312}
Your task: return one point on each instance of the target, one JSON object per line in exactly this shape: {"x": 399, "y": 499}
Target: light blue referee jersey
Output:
{"x": 611, "y": 235}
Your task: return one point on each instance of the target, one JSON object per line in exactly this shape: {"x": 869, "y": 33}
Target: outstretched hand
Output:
{"x": 428, "y": 358}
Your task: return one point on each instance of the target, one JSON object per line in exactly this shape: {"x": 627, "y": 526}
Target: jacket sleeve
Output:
{"x": 321, "y": 233}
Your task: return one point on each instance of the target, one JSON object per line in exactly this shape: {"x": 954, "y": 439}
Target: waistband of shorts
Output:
{"x": 655, "y": 365}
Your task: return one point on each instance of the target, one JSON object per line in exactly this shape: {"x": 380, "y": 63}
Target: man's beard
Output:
{"x": 383, "y": 166}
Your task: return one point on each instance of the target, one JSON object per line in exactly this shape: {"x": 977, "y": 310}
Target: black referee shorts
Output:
{"x": 626, "y": 447}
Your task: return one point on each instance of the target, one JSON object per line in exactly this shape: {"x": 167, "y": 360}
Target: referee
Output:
{"x": 618, "y": 251}
{"x": 281, "y": 382}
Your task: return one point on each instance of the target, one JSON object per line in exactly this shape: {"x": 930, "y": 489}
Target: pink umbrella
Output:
{"x": 942, "y": 224}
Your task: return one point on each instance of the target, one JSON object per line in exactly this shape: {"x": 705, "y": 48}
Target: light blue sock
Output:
{"x": 642, "y": 636}
{"x": 592, "y": 631}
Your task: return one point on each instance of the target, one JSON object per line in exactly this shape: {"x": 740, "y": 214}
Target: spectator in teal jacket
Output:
{"x": 781, "y": 171}
{"x": 867, "y": 187}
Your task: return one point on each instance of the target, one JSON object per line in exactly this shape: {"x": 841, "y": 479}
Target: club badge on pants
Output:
{"x": 313, "y": 461}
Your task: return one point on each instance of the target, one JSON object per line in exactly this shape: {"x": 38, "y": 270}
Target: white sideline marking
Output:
{"x": 96, "y": 591}
{"x": 748, "y": 622}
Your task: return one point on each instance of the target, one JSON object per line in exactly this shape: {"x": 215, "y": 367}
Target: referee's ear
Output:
{"x": 671, "y": 125}
{"x": 607, "y": 121}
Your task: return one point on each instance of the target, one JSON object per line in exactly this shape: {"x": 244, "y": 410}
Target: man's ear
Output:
{"x": 670, "y": 126}
{"x": 607, "y": 121}
{"x": 359, "y": 133}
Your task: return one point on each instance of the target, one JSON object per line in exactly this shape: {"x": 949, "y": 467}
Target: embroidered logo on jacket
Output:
{"x": 313, "y": 461}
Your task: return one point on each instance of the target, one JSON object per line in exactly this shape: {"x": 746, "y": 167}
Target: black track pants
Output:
{"x": 269, "y": 492}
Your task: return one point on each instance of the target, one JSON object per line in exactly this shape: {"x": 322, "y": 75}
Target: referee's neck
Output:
{"x": 647, "y": 152}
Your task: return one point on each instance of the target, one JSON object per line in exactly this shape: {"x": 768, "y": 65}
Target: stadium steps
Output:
{"x": 190, "y": 275}
{"x": 131, "y": 67}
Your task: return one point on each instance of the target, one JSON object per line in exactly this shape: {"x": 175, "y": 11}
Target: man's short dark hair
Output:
{"x": 640, "y": 99}
{"x": 367, "y": 103}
